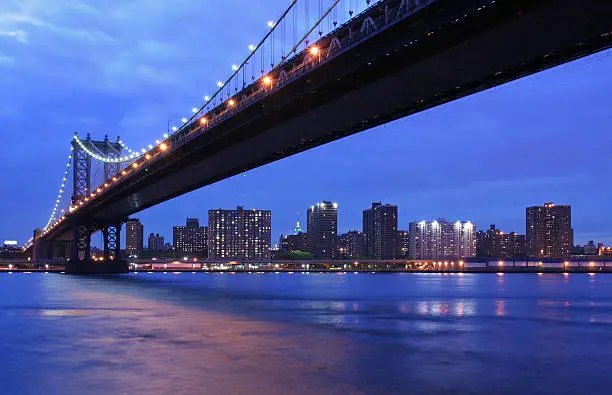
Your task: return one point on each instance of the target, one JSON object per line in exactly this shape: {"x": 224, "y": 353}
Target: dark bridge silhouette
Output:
{"x": 397, "y": 58}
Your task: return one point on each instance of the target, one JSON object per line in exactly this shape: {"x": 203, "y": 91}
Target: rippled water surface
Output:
{"x": 305, "y": 334}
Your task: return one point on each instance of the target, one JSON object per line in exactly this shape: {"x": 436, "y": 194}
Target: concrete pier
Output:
{"x": 91, "y": 268}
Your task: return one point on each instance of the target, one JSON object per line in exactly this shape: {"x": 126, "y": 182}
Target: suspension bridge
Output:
{"x": 323, "y": 70}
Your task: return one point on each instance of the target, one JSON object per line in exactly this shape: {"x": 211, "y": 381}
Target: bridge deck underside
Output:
{"x": 381, "y": 79}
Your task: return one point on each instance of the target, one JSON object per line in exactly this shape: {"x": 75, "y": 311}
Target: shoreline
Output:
{"x": 480, "y": 270}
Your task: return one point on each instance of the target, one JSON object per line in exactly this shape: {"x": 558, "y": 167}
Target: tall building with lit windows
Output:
{"x": 495, "y": 244}
{"x": 380, "y": 231}
{"x": 403, "y": 243}
{"x": 239, "y": 234}
{"x": 134, "y": 235}
{"x": 322, "y": 229}
{"x": 191, "y": 238}
{"x": 350, "y": 245}
{"x": 549, "y": 231}
{"x": 441, "y": 240}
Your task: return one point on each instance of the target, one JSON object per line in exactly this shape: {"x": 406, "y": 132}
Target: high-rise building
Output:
{"x": 442, "y": 240}
{"x": 495, "y": 244}
{"x": 191, "y": 238}
{"x": 549, "y": 231}
{"x": 322, "y": 228}
{"x": 292, "y": 243}
{"x": 156, "y": 242}
{"x": 134, "y": 235}
{"x": 380, "y": 231}
{"x": 239, "y": 234}
{"x": 351, "y": 244}
{"x": 403, "y": 243}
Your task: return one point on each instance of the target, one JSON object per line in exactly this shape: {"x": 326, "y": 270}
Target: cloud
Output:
{"x": 19, "y": 35}
{"x": 18, "y": 18}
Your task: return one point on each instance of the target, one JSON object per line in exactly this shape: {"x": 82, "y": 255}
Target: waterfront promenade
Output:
{"x": 495, "y": 267}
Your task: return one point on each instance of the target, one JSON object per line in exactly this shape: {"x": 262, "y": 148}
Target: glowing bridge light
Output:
{"x": 195, "y": 110}
{"x": 267, "y": 80}
{"x": 271, "y": 24}
{"x": 163, "y": 146}
{"x": 206, "y": 98}
{"x": 166, "y": 135}
{"x": 314, "y": 50}
{"x": 203, "y": 121}
{"x": 174, "y": 128}
{"x": 231, "y": 102}
{"x": 184, "y": 120}
{"x": 219, "y": 84}
{"x": 135, "y": 165}
{"x": 234, "y": 67}
{"x": 251, "y": 47}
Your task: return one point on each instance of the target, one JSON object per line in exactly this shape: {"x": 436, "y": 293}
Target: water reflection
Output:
{"x": 201, "y": 348}
{"x": 302, "y": 334}
{"x": 459, "y": 309}
{"x": 500, "y": 308}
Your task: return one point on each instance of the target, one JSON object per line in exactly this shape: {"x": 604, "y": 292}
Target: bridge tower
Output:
{"x": 111, "y": 151}
{"x": 81, "y": 261}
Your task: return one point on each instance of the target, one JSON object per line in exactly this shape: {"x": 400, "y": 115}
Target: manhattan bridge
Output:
{"x": 324, "y": 69}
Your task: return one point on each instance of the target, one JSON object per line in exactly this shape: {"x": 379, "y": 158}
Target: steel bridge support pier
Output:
{"x": 111, "y": 236}
{"x": 82, "y": 261}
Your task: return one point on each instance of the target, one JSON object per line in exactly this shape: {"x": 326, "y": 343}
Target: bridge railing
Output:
{"x": 371, "y": 21}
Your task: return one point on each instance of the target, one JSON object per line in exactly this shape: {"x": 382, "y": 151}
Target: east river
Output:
{"x": 223, "y": 333}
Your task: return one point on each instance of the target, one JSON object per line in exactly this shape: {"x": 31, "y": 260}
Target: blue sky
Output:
{"x": 126, "y": 68}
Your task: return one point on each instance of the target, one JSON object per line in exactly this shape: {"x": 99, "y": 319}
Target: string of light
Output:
{"x": 61, "y": 192}
{"x": 132, "y": 154}
{"x": 272, "y": 25}
{"x": 105, "y": 159}
{"x": 196, "y": 111}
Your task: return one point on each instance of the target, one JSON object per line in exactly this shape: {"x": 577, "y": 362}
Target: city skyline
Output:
{"x": 486, "y": 160}
{"x": 474, "y": 227}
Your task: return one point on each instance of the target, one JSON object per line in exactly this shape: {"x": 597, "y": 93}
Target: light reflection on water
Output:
{"x": 198, "y": 333}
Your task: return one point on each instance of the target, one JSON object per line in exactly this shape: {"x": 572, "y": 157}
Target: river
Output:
{"x": 343, "y": 333}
